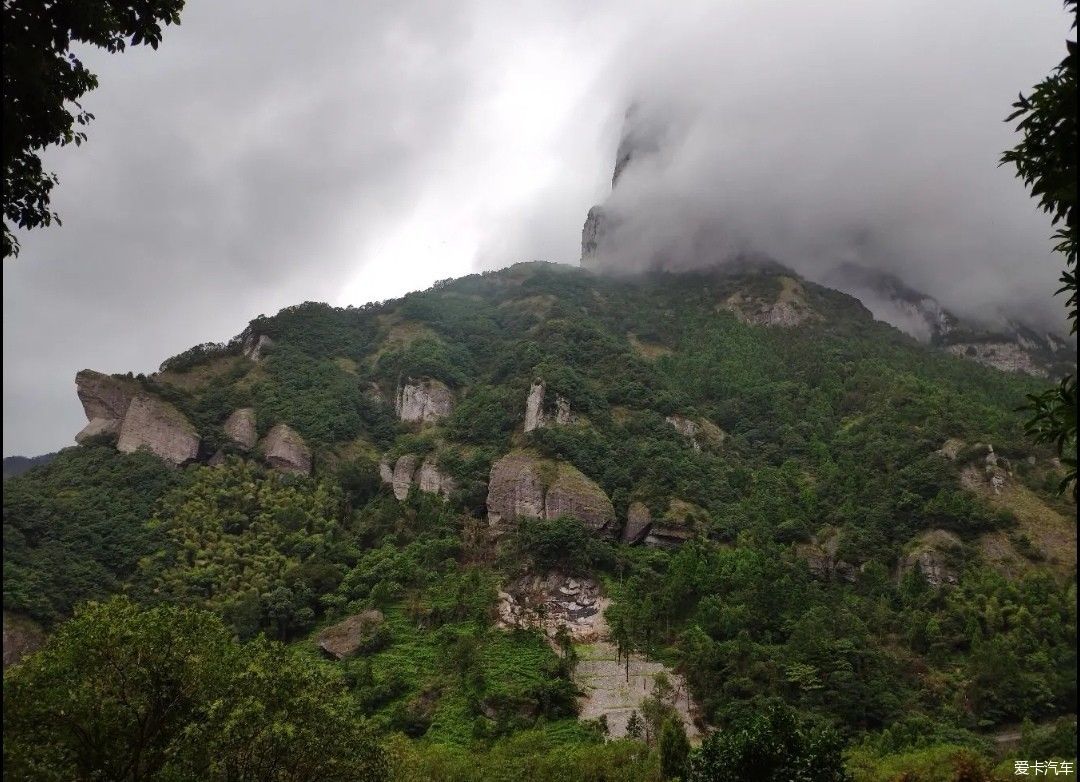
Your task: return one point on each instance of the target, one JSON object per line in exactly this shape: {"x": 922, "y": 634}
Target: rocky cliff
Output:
{"x": 285, "y": 450}
{"x": 158, "y": 426}
{"x": 423, "y": 401}
{"x": 525, "y": 486}
{"x": 240, "y": 428}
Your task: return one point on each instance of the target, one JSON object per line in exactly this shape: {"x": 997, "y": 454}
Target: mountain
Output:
{"x": 1008, "y": 344}
{"x": 500, "y": 508}
{"x": 17, "y": 465}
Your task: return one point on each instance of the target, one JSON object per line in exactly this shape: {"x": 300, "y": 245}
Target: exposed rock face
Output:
{"x": 22, "y": 636}
{"x": 285, "y": 450}
{"x": 103, "y": 396}
{"x": 994, "y": 473}
{"x": 638, "y": 523}
{"x": 515, "y": 489}
{"x": 950, "y": 449}
{"x": 103, "y": 428}
{"x": 158, "y": 426}
{"x": 699, "y": 432}
{"x": 592, "y": 236}
{"x": 790, "y": 308}
{"x": 423, "y": 401}
{"x": 523, "y": 486}
{"x": 404, "y": 469}
{"x": 255, "y": 346}
{"x": 931, "y": 554}
{"x": 552, "y": 602}
{"x": 1006, "y": 356}
{"x": 572, "y": 494}
{"x": 534, "y": 406}
{"x": 240, "y": 428}
{"x": 822, "y": 559}
{"x": 536, "y": 416}
{"x": 433, "y": 481}
{"x": 428, "y": 478}
{"x": 675, "y": 527}
{"x": 351, "y": 635}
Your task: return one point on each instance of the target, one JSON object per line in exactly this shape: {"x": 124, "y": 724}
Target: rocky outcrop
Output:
{"x": 404, "y": 470}
{"x": 552, "y": 602}
{"x": 933, "y": 553}
{"x": 534, "y": 406}
{"x": 256, "y": 345}
{"x": 355, "y": 634}
{"x": 638, "y": 523}
{"x": 789, "y": 309}
{"x": 22, "y": 636}
{"x": 988, "y": 472}
{"x": 821, "y": 556}
{"x": 431, "y": 480}
{"x": 515, "y": 489}
{"x": 535, "y": 414}
{"x": 597, "y": 227}
{"x": 699, "y": 432}
{"x": 677, "y": 525}
{"x": 240, "y": 428}
{"x": 285, "y": 450}
{"x": 1006, "y": 356}
{"x": 423, "y": 401}
{"x": 950, "y": 449}
{"x": 427, "y": 477}
{"x": 156, "y": 425}
{"x": 525, "y": 486}
{"x": 99, "y": 430}
{"x": 104, "y": 396}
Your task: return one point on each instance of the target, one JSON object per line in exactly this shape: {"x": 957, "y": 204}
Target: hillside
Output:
{"x": 487, "y": 503}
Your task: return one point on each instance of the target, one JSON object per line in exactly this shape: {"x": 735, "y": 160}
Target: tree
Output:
{"x": 635, "y": 729}
{"x": 774, "y": 746}
{"x": 674, "y": 748}
{"x": 42, "y": 77}
{"x": 1045, "y": 160}
{"x": 128, "y": 694}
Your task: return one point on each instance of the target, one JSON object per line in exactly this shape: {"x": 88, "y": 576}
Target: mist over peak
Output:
{"x": 829, "y": 154}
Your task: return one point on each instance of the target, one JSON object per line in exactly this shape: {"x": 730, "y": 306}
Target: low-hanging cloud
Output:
{"x": 855, "y": 132}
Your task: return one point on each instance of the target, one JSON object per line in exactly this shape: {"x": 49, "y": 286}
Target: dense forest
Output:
{"x": 875, "y": 577}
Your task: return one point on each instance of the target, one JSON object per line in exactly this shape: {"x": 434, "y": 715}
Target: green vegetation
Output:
{"x": 811, "y": 502}
{"x": 122, "y": 693}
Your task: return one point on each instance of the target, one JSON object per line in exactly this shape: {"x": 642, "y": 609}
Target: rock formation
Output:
{"x": 240, "y": 428}
{"x": 427, "y": 477}
{"x": 284, "y": 449}
{"x": 638, "y": 523}
{"x": 822, "y": 558}
{"x": 155, "y": 424}
{"x": 104, "y": 396}
{"x": 255, "y": 346}
{"x": 535, "y": 414}
{"x": 105, "y": 429}
{"x": 522, "y": 485}
{"x": 423, "y": 401}
{"x": 105, "y": 400}
{"x": 553, "y": 601}
{"x": 351, "y": 635}
{"x": 676, "y": 526}
{"x": 1006, "y": 356}
{"x": 790, "y": 307}
{"x": 933, "y": 554}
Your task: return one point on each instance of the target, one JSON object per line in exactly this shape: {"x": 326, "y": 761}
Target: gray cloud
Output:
{"x": 861, "y": 132}
{"x": 270, "y": 153}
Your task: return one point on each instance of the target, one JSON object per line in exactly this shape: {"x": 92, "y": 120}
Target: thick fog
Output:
{"x": 273, "y": 152}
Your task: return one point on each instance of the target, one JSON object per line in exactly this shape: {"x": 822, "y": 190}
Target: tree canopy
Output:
{"x": 44, "y": 80}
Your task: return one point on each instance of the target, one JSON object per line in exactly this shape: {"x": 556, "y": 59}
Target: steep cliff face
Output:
{"x": 409, "y": 470}
{"x": 934, "y": 555}
{"x": 105, "y": 400}
{"x": 256, "y": 346}
{"x": 158, "y": 426}
{"x": 638, "y": 523}
{"x": 536, "y": 414}
{"x": 285, "y": 450}
{"x": 524, "y": 486}
{"x": 423, "y": 401}
{"x": 240, "y": 428}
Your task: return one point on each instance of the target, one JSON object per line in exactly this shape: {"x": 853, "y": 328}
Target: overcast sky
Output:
{"x": 275, "y": 152}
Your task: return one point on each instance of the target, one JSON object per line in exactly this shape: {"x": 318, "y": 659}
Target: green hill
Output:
{"x": 777, "y": 499}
